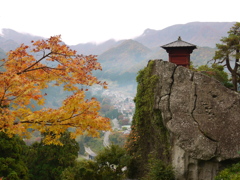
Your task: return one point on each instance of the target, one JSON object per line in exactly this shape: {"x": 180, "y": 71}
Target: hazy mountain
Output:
{"x": 10, "y": 39}
{"x": 202, "y": 55}
{"x": 122, "y": 57}
{"x": 8, "y": 45}
{"x": 121, "y": 60}
{"x": 19, "y": 38}
{"x": 93, "y": 48}
{"x": 198, "y": 33}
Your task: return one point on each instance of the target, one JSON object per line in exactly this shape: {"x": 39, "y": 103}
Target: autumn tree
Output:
{"x": 28, "y": 70}
{"x": 228, "y": 53}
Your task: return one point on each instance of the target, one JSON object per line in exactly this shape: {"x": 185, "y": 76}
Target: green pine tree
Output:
{"x": 228, "y": 53}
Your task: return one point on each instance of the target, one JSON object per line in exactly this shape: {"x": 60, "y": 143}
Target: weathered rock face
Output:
{"x": 202, "y": 117}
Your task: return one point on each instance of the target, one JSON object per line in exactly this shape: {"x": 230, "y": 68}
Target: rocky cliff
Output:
{"x": 200, "y": 122}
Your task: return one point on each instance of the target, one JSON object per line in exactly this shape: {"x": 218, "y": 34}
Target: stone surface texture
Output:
{"x": 202, "y": 117}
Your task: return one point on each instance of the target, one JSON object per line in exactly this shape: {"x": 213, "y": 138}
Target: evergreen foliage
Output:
{"x": 47, "y": 162}
{"x": 228, "y": 53}
{"x": 158, "y": 170}
{"x": 216, "y": 71}
{"x": 231, "y": 173}
{"x": 111, "y": 162}
{"x": 12, "y": 156}
{"x": 108, "y": 165}
{"x": 82, "y": 170}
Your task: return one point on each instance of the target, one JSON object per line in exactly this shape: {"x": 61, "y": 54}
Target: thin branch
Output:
{"x": 73, "y": 116}
{"x": 27, "y": 69}
{"x": 44, "y": 67}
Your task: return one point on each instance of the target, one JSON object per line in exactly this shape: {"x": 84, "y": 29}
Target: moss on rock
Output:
{"x": 148, "y": 137}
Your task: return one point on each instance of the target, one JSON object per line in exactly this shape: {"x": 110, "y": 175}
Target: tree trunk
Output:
{"x": 234, "y": 81}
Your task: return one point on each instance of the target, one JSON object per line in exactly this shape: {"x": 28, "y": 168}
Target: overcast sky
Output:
{"x": 81, "y": 21}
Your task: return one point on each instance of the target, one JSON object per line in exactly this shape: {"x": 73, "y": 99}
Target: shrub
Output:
{"x": 158, "y": 170}
{"x": 109, "y": 164}
{"x": 231, "y": 173}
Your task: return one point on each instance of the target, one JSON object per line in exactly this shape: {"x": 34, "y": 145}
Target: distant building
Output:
{"x": 179, "y": 52}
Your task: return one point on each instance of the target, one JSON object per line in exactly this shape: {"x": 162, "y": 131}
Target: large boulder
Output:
{"x": 202, "y": 117}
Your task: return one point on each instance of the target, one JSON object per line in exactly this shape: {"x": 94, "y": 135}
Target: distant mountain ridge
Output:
{"x": 198, "y": 33}
{"x": 19, "y": 38}
{"x": 121, "y": 60}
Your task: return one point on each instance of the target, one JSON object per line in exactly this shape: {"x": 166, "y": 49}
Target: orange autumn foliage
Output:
{"x": 23, "y": 77}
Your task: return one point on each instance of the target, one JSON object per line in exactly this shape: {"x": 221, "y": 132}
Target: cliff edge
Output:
{"x": 201, "y": 118}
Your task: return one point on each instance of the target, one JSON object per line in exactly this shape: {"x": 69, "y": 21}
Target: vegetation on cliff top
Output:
{"x": 216, "y": 71}
{"x": 229, "y": 51}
